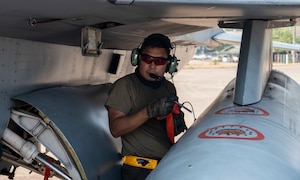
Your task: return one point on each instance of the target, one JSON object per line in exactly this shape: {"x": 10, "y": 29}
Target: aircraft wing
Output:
{"x": 230, "y": 38}
{"x": 124, "y": 23}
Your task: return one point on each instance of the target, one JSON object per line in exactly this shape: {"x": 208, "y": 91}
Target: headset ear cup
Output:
{"x": 135, "y": 56}
{"x": 172, "y": 66}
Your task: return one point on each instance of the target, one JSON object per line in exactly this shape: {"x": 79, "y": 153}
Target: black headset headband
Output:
{"x": 157, "y": 40}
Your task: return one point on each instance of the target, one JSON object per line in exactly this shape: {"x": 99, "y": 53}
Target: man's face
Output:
{"x": 153, "y": 60}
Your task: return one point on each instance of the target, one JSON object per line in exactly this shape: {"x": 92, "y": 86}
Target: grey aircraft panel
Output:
{"x": 79, "y": 113}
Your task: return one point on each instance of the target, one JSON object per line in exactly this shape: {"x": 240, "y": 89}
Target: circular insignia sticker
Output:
{"x": 244, "y": 110}
{"x": 232, "y": 131}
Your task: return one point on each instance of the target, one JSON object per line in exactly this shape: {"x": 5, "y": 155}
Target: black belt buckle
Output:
{"x": 142, "y": 161}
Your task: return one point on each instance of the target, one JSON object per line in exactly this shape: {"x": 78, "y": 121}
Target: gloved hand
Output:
{"x": 179, "y": 123}
{"x": 161, "y": 107}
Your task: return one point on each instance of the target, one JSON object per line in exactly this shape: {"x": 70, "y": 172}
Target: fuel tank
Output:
{"x": 257, "y": 141}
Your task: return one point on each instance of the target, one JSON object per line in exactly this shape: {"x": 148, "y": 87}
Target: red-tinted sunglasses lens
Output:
{"x": 157, "y": 60}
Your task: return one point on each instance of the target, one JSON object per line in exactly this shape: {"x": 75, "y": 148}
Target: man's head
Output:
{"x": 154, "y": 56}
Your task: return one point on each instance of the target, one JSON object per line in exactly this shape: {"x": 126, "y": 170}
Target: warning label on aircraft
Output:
{"x": 244, "y": 110}
{"x": 232, "y": 131}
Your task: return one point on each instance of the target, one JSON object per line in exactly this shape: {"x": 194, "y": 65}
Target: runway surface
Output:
{"x": 196, "y": 86}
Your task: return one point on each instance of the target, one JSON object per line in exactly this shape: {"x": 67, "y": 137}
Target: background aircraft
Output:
{"x": 59, "y": 58}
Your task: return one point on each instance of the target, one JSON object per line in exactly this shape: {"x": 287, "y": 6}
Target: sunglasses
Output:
{"x": 157, "y": 60}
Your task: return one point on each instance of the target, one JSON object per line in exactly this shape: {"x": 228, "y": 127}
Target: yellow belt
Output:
{"x": 140, "y": 162}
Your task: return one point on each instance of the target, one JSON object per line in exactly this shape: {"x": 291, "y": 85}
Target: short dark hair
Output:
{"x": 157, "y": 40}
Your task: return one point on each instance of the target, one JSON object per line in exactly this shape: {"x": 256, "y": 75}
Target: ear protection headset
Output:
{"x": 171, "y": 64}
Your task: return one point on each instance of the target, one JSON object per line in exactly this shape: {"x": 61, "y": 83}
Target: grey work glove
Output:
{"x": 161, "y": 107}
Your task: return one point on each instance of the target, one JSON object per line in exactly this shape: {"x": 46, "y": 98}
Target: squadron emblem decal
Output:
{"x": 244, "y": 110}
{"x": 232, "y": 131}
